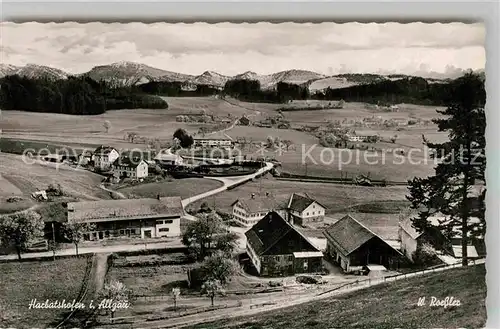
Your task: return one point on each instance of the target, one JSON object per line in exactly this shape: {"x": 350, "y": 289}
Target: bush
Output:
{"x": 426, "y": 256}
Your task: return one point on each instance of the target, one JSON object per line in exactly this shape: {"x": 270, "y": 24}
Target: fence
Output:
{"x": 91, "y": 265}
{"x": 375, "y": 281}
{"x": 138, "y": 319}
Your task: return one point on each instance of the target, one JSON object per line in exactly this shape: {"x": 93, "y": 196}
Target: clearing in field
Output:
{"x": 20, "y": 283}
{"x": 336, "y": 198}
{"x": 184, "y": 188}
{"x": 388, "y": 306}
{"x": 29, "y": 178}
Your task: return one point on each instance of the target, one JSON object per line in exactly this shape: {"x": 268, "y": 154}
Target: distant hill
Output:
{"x": 125, "y": 74}
{"x": 33, "y": 71}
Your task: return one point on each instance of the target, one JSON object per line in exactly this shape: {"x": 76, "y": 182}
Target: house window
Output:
{"x": 168, "y": 221}
{"x": 307, "y": 214}
{"x": 290, "y": 258}
{"x": 164, "y": 229}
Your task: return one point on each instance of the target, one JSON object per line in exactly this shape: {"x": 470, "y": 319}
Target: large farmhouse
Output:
{"x": 302, "y": 209}
{"x": 219, "y": 140}
{"x": 248, "y": 211}
{"x": 142, "y": 218}
{"x": 297, "y": 209}
{"x": 353, "y": 246}
{"x": 276, "y": 248}
{"x": 104, "y": 156}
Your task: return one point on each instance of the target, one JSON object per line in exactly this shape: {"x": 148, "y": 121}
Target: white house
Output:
{"x": 302, "y": 209}
{"x": 130, "y": 168}
{"x": 213, "y": 140}
{"x": 249, "y": 211}
{"x": 134, "y": 218}
{"x": 104, "y": 156}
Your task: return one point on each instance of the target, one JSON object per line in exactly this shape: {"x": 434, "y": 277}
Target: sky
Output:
{"x": 432, "y": 50}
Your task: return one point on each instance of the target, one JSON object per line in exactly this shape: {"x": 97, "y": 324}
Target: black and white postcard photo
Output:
{"x": 252, "y": 175}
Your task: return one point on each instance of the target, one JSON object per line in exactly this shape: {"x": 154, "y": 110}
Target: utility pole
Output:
{"x": 53, "y": 242}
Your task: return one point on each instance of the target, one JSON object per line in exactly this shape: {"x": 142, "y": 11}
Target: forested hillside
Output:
{"x": 75, "y": 95}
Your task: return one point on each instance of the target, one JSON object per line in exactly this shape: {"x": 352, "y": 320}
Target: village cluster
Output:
{"x": 274, "y": 244}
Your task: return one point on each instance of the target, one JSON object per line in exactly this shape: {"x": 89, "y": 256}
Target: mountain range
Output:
{"x": 131, "y": 73}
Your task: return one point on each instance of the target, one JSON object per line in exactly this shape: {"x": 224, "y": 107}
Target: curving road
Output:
{"x": 227, "y": 182}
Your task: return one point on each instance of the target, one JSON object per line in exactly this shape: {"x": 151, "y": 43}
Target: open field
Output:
{"x": 261, "y": 133}
{"x": 211, "y": 105}
{"x": 353, "y": 110}
{"x": 336, "y": 198}
{"x": 21, "y": 282}
{"x": 184, "y": 188}
{"x": 387, "y": 306}
{"x": 316, "y": 160}
{"x": 29, "y": 178}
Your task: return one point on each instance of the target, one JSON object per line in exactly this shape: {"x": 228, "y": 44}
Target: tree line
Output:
{"x": 75, "y": 95}
{"x": 412, "y": 90}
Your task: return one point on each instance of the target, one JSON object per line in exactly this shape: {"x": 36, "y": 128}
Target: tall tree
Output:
{"x": 21, "y": 229}
{"x": 211, "y": 288}
{"x": 74, "y": 232}
{"x": 461, "y": 166}
{"x": 207, "y": 234}
{"x": 219, "y": 267}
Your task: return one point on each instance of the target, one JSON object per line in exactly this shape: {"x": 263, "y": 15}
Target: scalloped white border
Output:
{"x": 282, "y": 11}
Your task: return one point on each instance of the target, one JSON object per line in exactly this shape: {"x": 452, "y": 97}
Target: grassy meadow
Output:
{"x": 388, "y": 306}
{"x": 40, "y": 280}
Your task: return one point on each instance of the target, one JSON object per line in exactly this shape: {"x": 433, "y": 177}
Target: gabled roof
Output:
{"x": 349, "y": 234}
{"x": 213, "y": 136}
{"x": 260, "y": 204}
{"x": 126, "y": 209}
{"x": 128, "y": 162}
{"x": 271, "y": 230}
{"x": 300, "y": 202}
{"x": 103, "y": 150}
{"x": 407, "y": 226}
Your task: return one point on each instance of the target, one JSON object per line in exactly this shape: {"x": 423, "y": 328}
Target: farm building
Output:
{"x": 104, "y": 156}
{"x": 167, "y": 158}
{"x": 214, "y": 140}
{"x": 56, "y": 158}
{"x": 244, "y": 121}
{"x": 354, "y": 246}
{"x": 141, "y": 218}
{"x": 412, "y": 240}
{"x": 126, "y": 167}
{"x": 276, "y": 248}
{"x": 302, "y": 209}
{"x": 248, "y": 211}
{"x": 85, "y": 157}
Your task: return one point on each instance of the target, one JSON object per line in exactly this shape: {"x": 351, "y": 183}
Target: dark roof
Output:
{"x": 273, "y": 232}
{"x": 300, "y": 202}
{"x": 127, "y": 162}
{"x": 102, "y": 150}
{"x": 348, "y": 234}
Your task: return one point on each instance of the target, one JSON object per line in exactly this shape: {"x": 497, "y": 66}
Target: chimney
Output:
{"x": 158, "y": 197}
